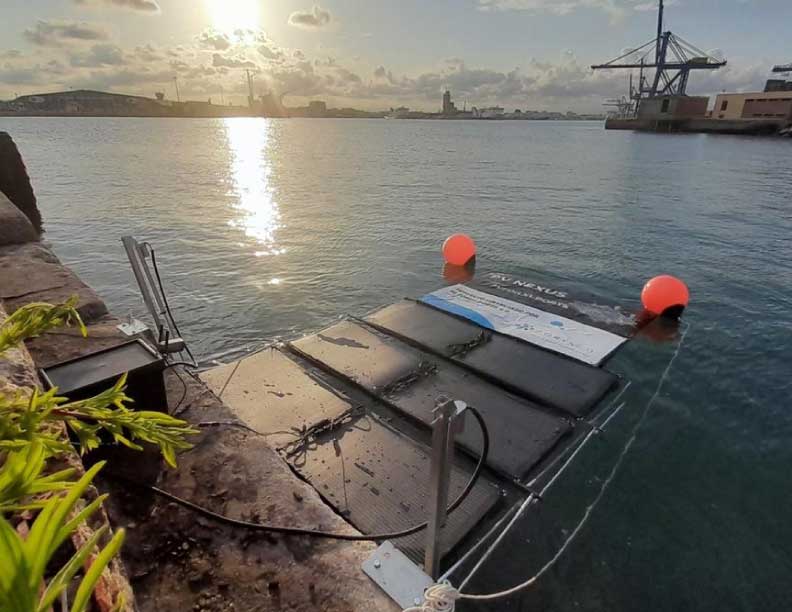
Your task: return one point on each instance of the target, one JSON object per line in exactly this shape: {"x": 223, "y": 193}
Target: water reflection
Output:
{"x": 259, "y": 217}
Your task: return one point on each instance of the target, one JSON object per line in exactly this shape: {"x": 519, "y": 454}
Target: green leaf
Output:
{"x": 61, "y": 580}
{"x": 47, "y": 532}
{"x": 82, "y": 597}
{"x": 15, "y": 592}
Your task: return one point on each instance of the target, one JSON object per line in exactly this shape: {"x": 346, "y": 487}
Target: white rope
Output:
{"x": 526, "y": 503}
{"x": 439, "y": 597}
{"x": 447, "y": 595}
{"x": 493, "y": 530}
{"x": 591, "y": 424}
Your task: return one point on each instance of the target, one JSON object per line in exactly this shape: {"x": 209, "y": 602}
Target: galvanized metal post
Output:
{"x": 143, "y": 278}
{"x": 444, "y": 428}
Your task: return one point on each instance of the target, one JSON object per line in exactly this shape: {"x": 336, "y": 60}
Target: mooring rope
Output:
{"x": 594, "y": 426}
{"x": 442, "y": 597}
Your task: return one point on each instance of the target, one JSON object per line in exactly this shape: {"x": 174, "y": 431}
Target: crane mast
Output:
{"x": 674, "y": 60}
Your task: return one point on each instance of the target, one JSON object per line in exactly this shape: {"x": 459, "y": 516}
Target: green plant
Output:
{"x": 32, "y": 434}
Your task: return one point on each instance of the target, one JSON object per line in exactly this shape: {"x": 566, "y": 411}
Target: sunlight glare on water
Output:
{"x": 258, "y": 214}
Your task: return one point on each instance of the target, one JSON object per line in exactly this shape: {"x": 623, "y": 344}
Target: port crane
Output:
{"x": 670, "y": 56}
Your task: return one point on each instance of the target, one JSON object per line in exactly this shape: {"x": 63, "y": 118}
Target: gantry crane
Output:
{"x": 674, "y": 59}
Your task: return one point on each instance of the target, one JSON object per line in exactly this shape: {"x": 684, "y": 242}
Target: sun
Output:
{"x": 230, "y": 15}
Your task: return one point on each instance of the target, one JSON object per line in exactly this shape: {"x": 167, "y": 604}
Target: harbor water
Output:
{"x": 265, "y": 229}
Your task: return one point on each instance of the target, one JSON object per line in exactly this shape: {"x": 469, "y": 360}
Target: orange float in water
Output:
{"x": 459, "y": 249}
{"x": 664, "y": 292}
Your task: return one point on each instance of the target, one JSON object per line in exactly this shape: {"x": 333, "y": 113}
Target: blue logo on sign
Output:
{"x": 557, "y": 323}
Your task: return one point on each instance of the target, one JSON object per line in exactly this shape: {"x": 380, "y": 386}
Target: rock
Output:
{"x": 15, "y": 183}
{"x": 15, "y": 228}
{"x": 27, "y": 277}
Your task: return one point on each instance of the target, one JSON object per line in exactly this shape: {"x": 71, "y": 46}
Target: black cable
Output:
{"x": 324, "y": 534}
{"x": 165, "y": 301}
{"x": 175, "y": 411}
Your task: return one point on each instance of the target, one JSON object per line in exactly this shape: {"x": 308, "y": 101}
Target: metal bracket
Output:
{"x": 446, "y": 425}
{"x": 394, "y": 573}
{"x": 133, "y": 327}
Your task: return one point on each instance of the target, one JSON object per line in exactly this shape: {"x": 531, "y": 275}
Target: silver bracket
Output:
{"x": 133, "y": 327}
{"x": 444, "y": 428}
{"x": 394, "y": 573}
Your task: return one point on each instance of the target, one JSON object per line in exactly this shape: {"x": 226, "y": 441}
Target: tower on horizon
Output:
{"x": 448, "y": 106}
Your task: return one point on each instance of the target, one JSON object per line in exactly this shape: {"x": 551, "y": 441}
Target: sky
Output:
{"x": 376, "y": 54}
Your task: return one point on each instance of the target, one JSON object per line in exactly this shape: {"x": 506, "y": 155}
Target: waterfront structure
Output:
{"x": 756, "y": 105}
{"x": 674, "y": 60}
{"x": 317, "y": 108}
{"x": 491, "y": 112}
{"x": 449, "y": 108}
{"x": 402, "y": 112}
{"x": 661, "y": 103}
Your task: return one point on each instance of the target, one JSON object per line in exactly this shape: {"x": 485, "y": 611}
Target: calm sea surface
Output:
{"x": 266, "y": 229}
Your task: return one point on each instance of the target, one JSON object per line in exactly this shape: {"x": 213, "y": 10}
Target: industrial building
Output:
{"x": 673, "y": 107}
{"x": 757, "y": 105}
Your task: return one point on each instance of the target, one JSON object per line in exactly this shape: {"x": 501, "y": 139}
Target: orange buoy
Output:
{"x": 459, "y": 249}
{"x": 663, "y": 293}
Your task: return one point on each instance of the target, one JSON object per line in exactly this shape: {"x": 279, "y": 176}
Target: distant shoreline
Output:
{"x": 6, "y": 114}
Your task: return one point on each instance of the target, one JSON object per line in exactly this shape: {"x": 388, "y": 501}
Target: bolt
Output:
{"x": 377, "y": 564}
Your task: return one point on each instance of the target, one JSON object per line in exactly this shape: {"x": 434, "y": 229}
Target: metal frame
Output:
{"x": 138, "y": 254}
{"x": 674, "y": 59}
{"x": 445, "y": 427}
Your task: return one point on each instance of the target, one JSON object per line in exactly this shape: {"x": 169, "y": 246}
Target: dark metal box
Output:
{"x": 91, "y": 374}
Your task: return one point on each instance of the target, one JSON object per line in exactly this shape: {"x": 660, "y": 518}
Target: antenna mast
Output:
{"x": 251, "y": 99}
{"x": 659, "y": 31}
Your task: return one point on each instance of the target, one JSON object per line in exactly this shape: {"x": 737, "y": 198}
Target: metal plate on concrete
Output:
{"x": 403, "y": 580}
{"x": 521, "y": 432}
{"x": 270, "y": 392}
{"x": 533, "y": 372}
{"x": 378, "y": 479}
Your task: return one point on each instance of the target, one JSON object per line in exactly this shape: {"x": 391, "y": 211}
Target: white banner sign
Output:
{"x": 551, "y": 331}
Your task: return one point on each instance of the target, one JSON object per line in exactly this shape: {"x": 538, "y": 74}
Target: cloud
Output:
{"x": 104, "y": 54}
{"x": 269, "y": 52}
{"x": 652, "y": 5}
{"x": 617, "y": 9}
{"x": 347, "y": 76}
{"x": 148, "y": 53}
{"x": 209, "y": 39}
{"x": 314, "y": 19}
{"x": 55, "y": 33}
{"x": 220, "y": 61}
{"x": 144, "y": 6}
